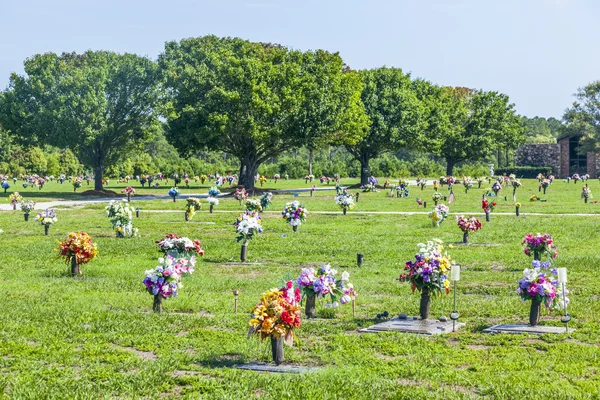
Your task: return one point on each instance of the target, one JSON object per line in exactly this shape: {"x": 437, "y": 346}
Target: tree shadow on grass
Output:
{"x": 222, "y": 360}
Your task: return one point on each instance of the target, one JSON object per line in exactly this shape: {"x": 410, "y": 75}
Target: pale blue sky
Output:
{"x": 536, "y": 51}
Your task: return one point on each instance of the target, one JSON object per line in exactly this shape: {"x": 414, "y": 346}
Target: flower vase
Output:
{"x": 466, "y": 237}
{"x": 128, "y": 198}
{"x": 425, "y": 303}
{"x": 536, "y": 255}
{"x": 174, "y": 197}
{"x": 487, "y": 216}
{"x": 478, "y": 185}
{"x": 311, "y": 307}
{"x": 544, "y": 190}
{"x": 75, "y": 269}
{"x": 344, "y": 211}
{"x": 517, "y": 210}
{"x": 244, "y": 253}
{"x": 534, "y": 312}
{"x": 26, "y": 215}
{"x": 540, "y": 188}
{"x": 157, "y": 305}
{"x": 14, "y": 206}
{"x": 277, "y": 349}
{"x": 295, "y": 228}
{"x": 46, "y": 229}
{"x": 187, "y": 216}
{"x": 137, "y": 213}
{"x": 585, "y": 200}
{"x": 211, "y": 208}
{"x": 435, "y": 202}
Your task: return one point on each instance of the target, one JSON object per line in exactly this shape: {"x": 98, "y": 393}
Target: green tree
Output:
{"x": 100, "y": 104}
{"x": 542, "y": 130}
{"x": 583, "y": 117}
{"x": 69, "y": 164}
{"x": 52, "y": 165}
{"x": 396, "y": 115}
{"x": 479, "y": 123}
{"x": 34, "y": 161}
{"x": 247, "y": 99}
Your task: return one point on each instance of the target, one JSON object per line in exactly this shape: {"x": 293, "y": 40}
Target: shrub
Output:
{"x": 524, "y": 172}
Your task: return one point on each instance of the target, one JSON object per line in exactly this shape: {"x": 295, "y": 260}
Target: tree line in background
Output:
{"x": 233, "y": 105}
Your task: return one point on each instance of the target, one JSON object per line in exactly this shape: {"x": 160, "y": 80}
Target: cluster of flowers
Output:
{"x": 430, "y": 269}
{"x": 540, "y": 282}
{"x": 183, "y": 246}
{"x": 496, "y": 187}
{"x": 174, "y": 192}
{"x": 344, "y": 200}
{"x": 265, "y": 200}
{"x": 586, "y": 193}
{"x": 323, "y": 282}
{"x": 294, "y": 213}
{"x": 540, "y": 244}
{"x": 325, "y": 179}
{"x": 487, "y": 206}
{"x": 247, "y": 225}
{"x": 165, "y": 279}
{"x": 213, "y": 191}
{"x": 15, "y": 198}
{"x": 120, "y": 215}
{"x": 27, "y": 206}
{"x": 193, "y": 205}
{"x": 468, "y": 224}
{"x": 468, "y": 183}
{"x": 47, "y": 217}
{"x": 240, "y": 194}
{"x": 253, "y": 205}
{"x": 308, "y": 178}
{"x": 129, "y": 191}
{"x": 277, "y": 314}
{"x": 76, "y": 182}
{"x": 78, "y": 245}
{"x": 437, "y": 196}
{"x": 439, "y": 214}
{"x": 421, "y": 182}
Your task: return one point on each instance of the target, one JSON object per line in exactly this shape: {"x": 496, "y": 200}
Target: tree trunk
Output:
{"x": 310, "y": 161}
{"x": 449, "y": 167}
{"x": 248, "y": 170}
{"x": 365, "y": 171}
{"x": 98, "y": 177}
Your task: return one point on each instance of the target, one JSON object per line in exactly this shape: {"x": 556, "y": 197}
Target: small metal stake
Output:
{"x": 353, "y": 307}
{"x": 236, "y": 293}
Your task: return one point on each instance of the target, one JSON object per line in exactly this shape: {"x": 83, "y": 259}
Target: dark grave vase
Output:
{"x": 26, "y": 215}
{"x": 534, "y": 312}
{"x": 157, "y": 305}
{"x": 311, "y": 306}
{"x": 295, "y": 228}
{"x": 244, "y": 253}
{"x": 46, "y": 229}
{"x": 545, "y": 190}
{"x": 187, "y": 216}
{"x": 517, "y": 211}
{"x": 277, "y": 350}
{"x": 75, "y": 268}
{"x": 359, "y": 259}
{"x": 211, "y": 209}
{"x": 425, "y": 303}
{"x": 536, "y": 255}
{"x": 487, "y": 216}
{"x": 344, "y": 211}
{"x": 466, "y": 237}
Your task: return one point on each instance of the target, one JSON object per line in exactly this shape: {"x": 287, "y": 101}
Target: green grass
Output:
{"x": 97, "y": 337}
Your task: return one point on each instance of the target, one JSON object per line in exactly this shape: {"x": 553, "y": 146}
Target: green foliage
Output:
{"x": 583, "y": 118}
{"x": 524, "y": 172}
{"x": 542, "y": 130}
{"x": 101, "y": 104}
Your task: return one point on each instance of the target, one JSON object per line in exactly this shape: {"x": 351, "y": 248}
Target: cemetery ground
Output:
{"x": 97, "y": 337}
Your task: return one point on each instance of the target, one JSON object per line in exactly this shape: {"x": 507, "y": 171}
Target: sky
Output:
{"x": 538, "y": 52}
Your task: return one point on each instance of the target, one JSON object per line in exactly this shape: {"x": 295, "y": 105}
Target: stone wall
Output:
{"x": 541, "y": 155}
{"x": 564, "y": 158}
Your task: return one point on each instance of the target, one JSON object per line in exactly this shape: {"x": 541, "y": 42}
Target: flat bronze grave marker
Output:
{"x": 424, "y": 327}
{"x": 534, "y": 330}
{"x": 280, "y": 369}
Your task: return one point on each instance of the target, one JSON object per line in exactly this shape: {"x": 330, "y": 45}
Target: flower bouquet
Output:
{"x": 46, "y": 219}
{"x": 15, "y": 198}
{"x": 496, "y": 187}
{"x": 480, "y": 180}
{"x": 517, "y": 208}
{"x": 516, "y": 183}
{"x": 76, "y": 182}
{"x": 193, "y": 205}
{"x": 174, "y": 192}
{"x": 120, "y": 215}
{"x": 164, "y": 281}
{"x": 213, "y": 191}
{"x": 421, "y": 182}
{"x": 308, "y": 178}
{"x": 586, "y": 193}
{"x": 437, "y": 196}
{"x": 428, "y": 273}
{"x": 265, "y": 200}
{"x": 534, "y": 198}
{"x": 468, "y": 224}
{"x": 275, "y": 317}
{"x": 276, "y": 177}
{"x": 541, "y": 288}
{"x": 247, "y": 225}
{"x": 439, "y": 214}
{"x": 212, "y": 202}
{"x": 262, "y": 180}
{"x": 294, "y": 213}
{"x": 203, "y": 179}
{"x": 468, "y": 184}
{"x": 253, "y": 205}
{"x": 544, "y": 185}
{"x": 27, "y": 207}
{"x": 129, "y": 191}
{"x": 77, "y": 249}
{"x": 344, "y": 200}
{"x": 576, "y": 178}
{"x": 539, "y": 244}
{"x": 187, "y": 182}
{"x": 180, "y": 247}
{"x": 5, "y": 186}
{"x": 240, "y": 195}
{"x": 324, "y": 282}
{"x": 487, "y": 207}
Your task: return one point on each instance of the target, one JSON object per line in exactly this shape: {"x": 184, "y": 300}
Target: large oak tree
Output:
{"x": 100, "y": 104}
{"x": 257, "y": 100}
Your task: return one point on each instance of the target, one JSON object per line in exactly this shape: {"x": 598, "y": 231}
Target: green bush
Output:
{"x": 524, "y": 172}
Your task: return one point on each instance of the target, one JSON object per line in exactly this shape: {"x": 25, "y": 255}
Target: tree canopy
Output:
{"x": 583, "y": 117}
{"x": 257, "y": 100}
{"x": 100, "y": 104}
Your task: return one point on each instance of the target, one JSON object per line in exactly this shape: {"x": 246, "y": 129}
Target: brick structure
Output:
{"x": 562, "y": 156}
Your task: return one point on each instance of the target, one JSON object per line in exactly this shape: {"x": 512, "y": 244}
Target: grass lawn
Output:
{"x": 96, "y": 337}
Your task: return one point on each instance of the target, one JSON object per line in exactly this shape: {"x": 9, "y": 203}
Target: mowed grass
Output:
{"x": 96, "y": 337}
